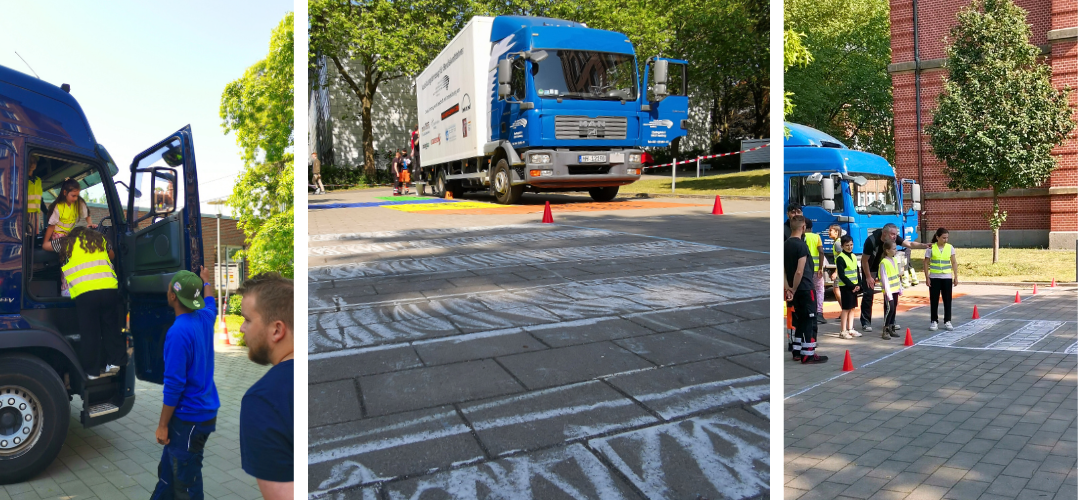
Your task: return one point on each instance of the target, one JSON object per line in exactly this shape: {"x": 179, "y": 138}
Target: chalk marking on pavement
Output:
{"x": 1073, "y": 349}
{"x": 734, "y": 472}
{"x": 457, "y": 263}
{"x": 409, "y": 233}
{"x": 445, "y": 243}
{"x": 1026, "y": 336}
{"x": 317, "y": 457}
{"x": 963, "y": 332}
{"x": 818, "y": 384}
{"x": 669, "y": 239}
{"x": 511, "y": 477}
{"x": 710, "y": 398}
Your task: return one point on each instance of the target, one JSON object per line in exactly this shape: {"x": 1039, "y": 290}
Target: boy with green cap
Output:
{"x": 189, "y": 412}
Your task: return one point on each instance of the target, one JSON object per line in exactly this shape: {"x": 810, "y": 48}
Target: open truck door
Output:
{"x": 164, "y": 237}
{"x": 666, "y": 101}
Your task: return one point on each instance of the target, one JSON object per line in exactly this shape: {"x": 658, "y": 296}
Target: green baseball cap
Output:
{"x": 188, "y": 288}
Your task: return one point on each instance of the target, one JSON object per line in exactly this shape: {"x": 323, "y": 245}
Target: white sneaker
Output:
{"x": 855, "y": 333}
{"x": 845, "y": 335}
{"x": 933, "y": 326}
{"x": 112, "y": 369}
{"x": 948, "y": 326}
{"x": 867, "y": 328}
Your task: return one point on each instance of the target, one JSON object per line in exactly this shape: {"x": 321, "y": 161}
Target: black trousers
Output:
{"x": 805, "y": 322}
{"x": 936, "y": 288}
{"x": 890, "y": 308}
{"x": 867, "y": 293}
{"x": 100, "y": 340}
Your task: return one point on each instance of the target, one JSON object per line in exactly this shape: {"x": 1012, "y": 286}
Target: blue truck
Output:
{"x": 154, "y": 236}
{"x": 838, "y": 185}
{"x": 515, "y": 104}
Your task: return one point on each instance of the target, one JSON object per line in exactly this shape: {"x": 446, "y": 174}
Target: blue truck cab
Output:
{"x": 150, "y": 217}
{"x": 568, "y": 112}
{"x": 838, "y": 185}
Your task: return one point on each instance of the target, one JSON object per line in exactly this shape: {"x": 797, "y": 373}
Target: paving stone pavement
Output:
{"x": 118, "y": 460}
{"x": 610, "y": 355}
{"x": 986, "y": 411}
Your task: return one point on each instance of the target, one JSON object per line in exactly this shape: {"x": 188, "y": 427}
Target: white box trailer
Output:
{"x": 453, "y": 96}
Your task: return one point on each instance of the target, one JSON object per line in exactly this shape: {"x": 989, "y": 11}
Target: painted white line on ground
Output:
{"x": 457, "y": 263}
{"x": 411, "y": 233}
{"x": 962, "y": 332}
{"x": 317, "y": 457}
{"x": 1026, "y": 336}
{"x": 923, "y": 342}
{"x": 1073, "y": 349}
{"x": 461, "y": 241}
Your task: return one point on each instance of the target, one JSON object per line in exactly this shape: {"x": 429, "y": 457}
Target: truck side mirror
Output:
{"x": 828, "y": 194}
{"x": 661, "y": 68}
{"x": 916, "y": 197}
{"x": 505, "y": 71}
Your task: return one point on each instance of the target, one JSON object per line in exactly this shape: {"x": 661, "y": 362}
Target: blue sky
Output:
{"x": 142, "y": 70}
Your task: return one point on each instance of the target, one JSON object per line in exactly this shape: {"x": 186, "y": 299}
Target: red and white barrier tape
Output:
{"x": 709, "y": 157}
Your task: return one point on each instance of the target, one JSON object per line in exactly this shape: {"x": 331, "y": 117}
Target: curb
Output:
{"x": 700, "y": 196}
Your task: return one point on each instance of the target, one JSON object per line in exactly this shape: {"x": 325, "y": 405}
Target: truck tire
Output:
{"x": 500, "y": 183}
{"x": 439, "y": 187}
{"x": 34, "y": 412}
{"x": 603, "y": 193}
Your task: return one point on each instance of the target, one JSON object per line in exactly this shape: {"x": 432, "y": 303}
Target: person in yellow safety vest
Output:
{"x": 836, "y": 233}
{"x": 941, "y": 274}
{"x": 33, "y": 193}
{"x": 891, "y": 280}
{"x": 63, "y": 214}
{"x": 816, "y": 253}
{"x": 848, "y": 279}
{"x": 87, "y": 266}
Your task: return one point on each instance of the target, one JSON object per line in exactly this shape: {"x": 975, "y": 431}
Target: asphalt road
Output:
{"x": 468, "y": 351}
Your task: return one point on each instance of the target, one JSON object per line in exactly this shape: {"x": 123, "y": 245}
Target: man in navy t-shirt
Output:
{"x": 189, "y": 413}
{"x": 267, "y": 411}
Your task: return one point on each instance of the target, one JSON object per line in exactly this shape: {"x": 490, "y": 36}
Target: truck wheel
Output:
{"x": 439, "y": 187}
{"x": 603, "y": 193}
{"x": 504, "y": 192}
{"x": 34, "y": 414}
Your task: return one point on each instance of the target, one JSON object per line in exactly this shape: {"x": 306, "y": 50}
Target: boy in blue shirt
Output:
{"x": 189, "y": 413}
{"x": 266, "y": 415}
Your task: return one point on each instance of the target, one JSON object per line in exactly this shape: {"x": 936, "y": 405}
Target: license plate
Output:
{"x": 592, "y": 159}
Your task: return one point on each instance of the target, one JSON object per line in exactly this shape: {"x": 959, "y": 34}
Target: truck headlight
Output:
{"x": 634, "y": 158}
{"x": 540, "y": 158}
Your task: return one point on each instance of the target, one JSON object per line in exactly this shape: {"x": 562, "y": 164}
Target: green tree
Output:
{"x": 998, "y": 117}
{"x": 387, "y": 39}
{"x": 794, "y": 53}
{"x": 846, "y": 92}
{"x": 259, "y": 108}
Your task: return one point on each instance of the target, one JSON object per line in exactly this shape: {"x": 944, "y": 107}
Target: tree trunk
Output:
{"x": 366, "y": 103}
{"x": 995, "y": 228}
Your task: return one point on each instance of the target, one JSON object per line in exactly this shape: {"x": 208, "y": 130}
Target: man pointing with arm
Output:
{"x": 871, "y": 256}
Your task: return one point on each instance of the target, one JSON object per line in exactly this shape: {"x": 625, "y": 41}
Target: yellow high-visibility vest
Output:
{"x": 941, "y": 259}
{"x": 813, "y": 241}
{"x": 893, "y": 279}
{"x": 33, "y": 196}
{"x": 851, "y": 268}
{"x": 68, "y": 216}
{"x": 88, "y": 271}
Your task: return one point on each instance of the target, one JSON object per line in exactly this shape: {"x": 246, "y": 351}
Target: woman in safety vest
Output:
{"x": 87, "y": 266}
{"x": 815, "y": 244}
{"x": 64, "y": 213}
{"x": 941, "y": 274}
{"x": 33, "y": 193}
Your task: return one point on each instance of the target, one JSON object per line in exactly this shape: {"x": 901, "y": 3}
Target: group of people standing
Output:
{"x": 404, "y": 163}
{"x": 804, "y": 260}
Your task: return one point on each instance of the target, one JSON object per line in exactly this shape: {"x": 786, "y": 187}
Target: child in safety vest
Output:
{"x": 848, "y": 280}
{"x": 64, "y": 213}
{"x": 941, "y": 274}
{"x": 33, "y": 193}
{"x": 835, "y": 232}
{"x": 891, "y": 283}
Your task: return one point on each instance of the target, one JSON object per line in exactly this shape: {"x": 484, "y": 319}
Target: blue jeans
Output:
{"x": 179, "y": 475}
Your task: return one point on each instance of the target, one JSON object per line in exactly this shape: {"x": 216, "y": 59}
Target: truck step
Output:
{"x": 101, "y": 409}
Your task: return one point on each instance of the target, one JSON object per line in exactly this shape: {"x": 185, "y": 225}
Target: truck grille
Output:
{"x": 583, "y": 127}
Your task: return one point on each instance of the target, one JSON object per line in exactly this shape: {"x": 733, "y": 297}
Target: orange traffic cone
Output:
{"x": 909, "y": 338}
{"x": 1017, "y": 298}
{"x": 1053, "y": 282}
{"x": 1034, "y": 289}
{"x": 975, "y": 315}
{"x": 548, "y": 218}
{"x": 718, "y": 206}
{"x": 847, "y": 364}
{"x": 224, "y": 324}
{"x": 448, "y": 194}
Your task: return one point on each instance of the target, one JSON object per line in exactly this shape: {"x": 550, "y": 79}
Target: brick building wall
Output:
{"x": 231, "y": 235}
{"x": 1044, "y": 216}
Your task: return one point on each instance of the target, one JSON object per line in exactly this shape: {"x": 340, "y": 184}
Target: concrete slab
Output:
{"x": 685, "y": 346}
{"x": 679, "y": 391}
{"x": 575, "y": 364}
{"x": 426, "y": 387}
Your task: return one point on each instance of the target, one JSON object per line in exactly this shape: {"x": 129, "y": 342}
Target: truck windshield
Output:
{"x": 878, "y": 196}
{"x": 582, "y": 74}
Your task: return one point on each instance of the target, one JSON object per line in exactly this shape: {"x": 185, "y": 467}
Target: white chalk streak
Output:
{"x": 962, "y": 332}
{"x": 383, "y": 444}
{"x": 1026, "y": 336}
{"x": 411, "y": 233}
{"x": 462, "y": 241}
